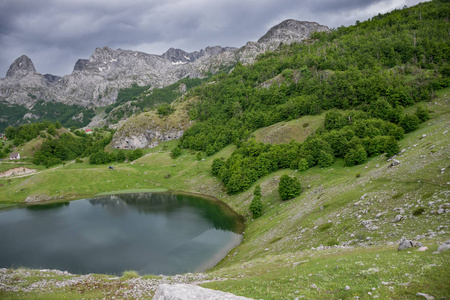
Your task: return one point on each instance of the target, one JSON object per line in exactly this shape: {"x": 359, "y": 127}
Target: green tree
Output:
{"x": 355, "y": 156}
{"x": 120, "y": 157}
{"x": 216, "y": 165}
{"x": 422, "y": 113}
{"x": 303, "y": 164}
{"x": 257, "y": 190}
{"x": 289, "y": 187}
{"x": 325, "y": 159}
{"x": 256, "y": 206}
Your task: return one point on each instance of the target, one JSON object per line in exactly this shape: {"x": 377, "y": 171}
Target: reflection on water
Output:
{"x": 157, "y": 233}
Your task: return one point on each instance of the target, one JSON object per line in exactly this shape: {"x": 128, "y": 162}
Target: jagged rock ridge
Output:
{"x": 95, "y": 82}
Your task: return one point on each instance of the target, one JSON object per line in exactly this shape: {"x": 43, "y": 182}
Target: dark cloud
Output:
{"x": 55, "y": 33}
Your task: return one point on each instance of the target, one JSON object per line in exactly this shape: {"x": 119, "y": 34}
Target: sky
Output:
{"x": 56, "y": 33}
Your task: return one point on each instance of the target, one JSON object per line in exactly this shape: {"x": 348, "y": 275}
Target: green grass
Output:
{"x": 284, "y": 132}
{"x": 381, "y": 271}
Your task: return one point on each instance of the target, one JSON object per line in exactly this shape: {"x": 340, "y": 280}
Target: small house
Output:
{"x": 88, "y": 131}
{"x": 14, "y": 156}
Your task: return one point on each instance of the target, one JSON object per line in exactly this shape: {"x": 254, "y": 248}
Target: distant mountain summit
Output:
{"x": 95, "y": 82}
{"x": 20, "y": 67}
{"x": 290, "y": 31}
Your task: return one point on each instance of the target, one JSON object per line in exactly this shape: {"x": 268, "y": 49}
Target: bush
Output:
{"x": 289, "y": 187}
{"x": 256, "y": 207}
{"x": 217, "y": 164}
{"x": 303, "y": 165}
{"x": 325, "y": 159}
{"x": 257, "y": 191}
{"x": 418, "y": 211}
{"x": 422, "y": 113}
{"x": 355, "y": 156}
{"x": 409, "y": 122}
{"x": 176, "y": 152}
{"x": 130, "y": 275}
{"x": 135, "y": 154}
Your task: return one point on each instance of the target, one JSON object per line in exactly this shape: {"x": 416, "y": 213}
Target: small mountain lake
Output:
{"x": 152, "y": 233}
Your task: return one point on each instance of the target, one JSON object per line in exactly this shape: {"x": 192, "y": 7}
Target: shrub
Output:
{"x": 176, "y": 152}
{"x": 257, "y": 191}
{"x": 216, "y": 165}
{"x": 418, "y": 211}
{"x": 303, "y": 165}
{"x": 325, "y": 159}
{"x": 289, "y": 187}
{"x": 355, "y": 156}
{"x": 422, "y": 113}
{"x": 256, "y": 207}
{"x": 409, "y": 122}
{"x": 129, "y": 275}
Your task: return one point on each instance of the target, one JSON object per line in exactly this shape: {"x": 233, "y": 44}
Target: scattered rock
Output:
{"x": 404, "y": 244}
{"x": 398, "y": 218}
{"x": 379, "y": 215}
{"x": 191, "y": 291}
{"x": 313, "y": 286}
{"x": 347, "y": 287}
{"x": 423, "y": 248}
{"x": 395, "y": 162}
{"x": 428, "y": 297}
{"x": 444, "y": 246}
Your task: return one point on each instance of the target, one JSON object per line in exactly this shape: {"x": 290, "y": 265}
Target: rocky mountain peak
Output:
{"x": 21, "y": 66}
{"x": 290, "y": 31}
{"x": 80, "y": 64}
{"x": 179, "y": 56}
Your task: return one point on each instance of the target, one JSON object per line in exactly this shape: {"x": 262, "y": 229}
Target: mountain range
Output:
{"x": 95, "y": 82}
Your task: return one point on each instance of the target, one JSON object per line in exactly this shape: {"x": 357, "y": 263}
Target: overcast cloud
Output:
{"x": 56, "y": 33}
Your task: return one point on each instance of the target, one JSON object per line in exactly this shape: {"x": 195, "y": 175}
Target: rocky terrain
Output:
{"x": 95, "y": 82}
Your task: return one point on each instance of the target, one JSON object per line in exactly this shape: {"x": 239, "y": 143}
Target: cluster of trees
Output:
{"x": 102, "y": 157}
{"x": 351, "y": 135}
{"x": 27, "y": 132}
{"x": 68, "y": 146}
{"x": 396, "y": 59}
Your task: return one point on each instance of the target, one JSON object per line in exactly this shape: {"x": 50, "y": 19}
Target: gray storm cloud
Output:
{"x": 55, "y": 33}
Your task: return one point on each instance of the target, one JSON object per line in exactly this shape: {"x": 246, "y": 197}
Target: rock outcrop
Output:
{"x": 191, "y": 292}
{"x": 287, "y": 32}
{"x": 148, "y": 130}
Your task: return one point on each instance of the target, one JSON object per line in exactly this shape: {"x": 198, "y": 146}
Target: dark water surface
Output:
{"x": 153, "y": 233}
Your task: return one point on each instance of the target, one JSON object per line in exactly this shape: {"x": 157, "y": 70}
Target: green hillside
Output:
{"x": 345, "y": 105}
